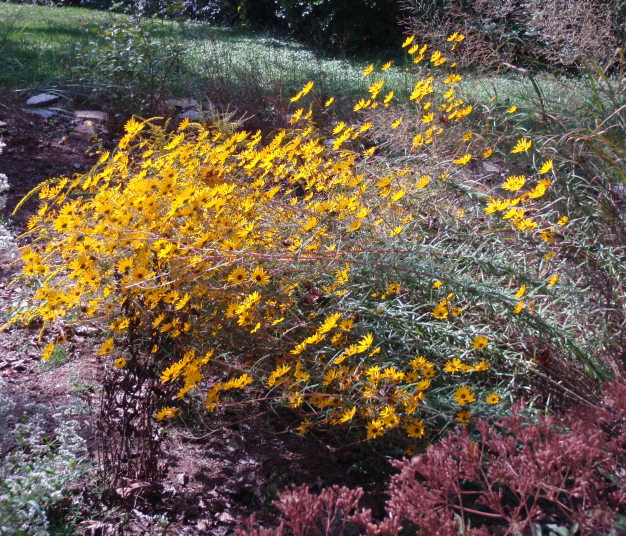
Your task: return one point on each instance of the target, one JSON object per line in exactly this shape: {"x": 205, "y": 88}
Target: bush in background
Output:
{"x": 558, "y": 33}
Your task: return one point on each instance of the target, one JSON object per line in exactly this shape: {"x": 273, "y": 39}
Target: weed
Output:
{"x": 81, "y": 387}
{"x": 57, "y": 359}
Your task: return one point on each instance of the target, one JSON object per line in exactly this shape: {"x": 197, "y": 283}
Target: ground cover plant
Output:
{"x": 400, "y": 276}
{"x": 36, "y": 465}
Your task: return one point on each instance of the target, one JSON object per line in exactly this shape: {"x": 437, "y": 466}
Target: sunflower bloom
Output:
{"x": 238, "y": 275}
{"x": 464, "y": 416}
{"x": 493, "y": 398}
{"x": 479, "y": 342}
{"x": 522, "y": 146}
{"x": 464, "y": 395}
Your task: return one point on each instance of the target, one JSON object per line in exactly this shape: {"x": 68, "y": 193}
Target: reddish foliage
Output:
{"x": 515, "y": 473}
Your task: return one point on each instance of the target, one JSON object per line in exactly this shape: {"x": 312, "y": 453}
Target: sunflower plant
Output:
{"x": 364, "y": 293}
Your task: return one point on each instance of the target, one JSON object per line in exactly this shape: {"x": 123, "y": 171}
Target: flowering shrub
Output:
{"x": 370, "y": 296}
{"x": 515, "y": 476}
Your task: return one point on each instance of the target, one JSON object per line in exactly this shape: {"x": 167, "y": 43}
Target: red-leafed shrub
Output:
{"x": 503, "y": 478}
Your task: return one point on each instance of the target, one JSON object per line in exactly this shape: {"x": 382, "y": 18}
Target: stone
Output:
{"x": 225, "y": 517}
{"x": 91, "y": 115}
{"x": 43, "y": 99}
{"x": 182, "y": 103}
{"x": 490, "y": 168}
{"x": 192, "y": 115}
{"x": 44, "y": 112}
{"x": 3, "y": 124}
{"x": 83, "y": 132}
{"x": 182, "y": 479}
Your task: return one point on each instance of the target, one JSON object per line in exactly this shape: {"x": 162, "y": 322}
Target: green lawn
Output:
{"x": 40, "y": 49}
{"x": 66, "y": 51}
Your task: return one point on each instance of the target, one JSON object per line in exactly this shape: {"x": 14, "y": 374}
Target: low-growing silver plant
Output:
{"x": 34, "y": 469}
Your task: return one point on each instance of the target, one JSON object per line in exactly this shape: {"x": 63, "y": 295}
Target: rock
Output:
{"x": 3, "y": 124}
{"x": 220, "y": 531}
{"x": 83, "y": 132}
{"x": 203, "y": 525}
{"x": 490, "y": 168}
{"x": 42, "y": 99}
{"x": 182, "y": 479}
{"x": 43, "y": 112}
{"x": 95, "y": 528}
{"x": 91, "y": 115}
{"x": 182, "y": 103}
{"x": 192, "y": 115}
{"x": 225, "y": 517}
{"x": 133, "y": 489}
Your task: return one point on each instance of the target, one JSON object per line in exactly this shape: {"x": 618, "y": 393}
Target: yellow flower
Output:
{"x": 452, "y": 366}
{"x": 106, "y": 347}
{"x": 375, "y": 429}
{"x": 521, "y": 291}
{"x": 408, "y": 41}
{"x": 238, "y": 275}
{"x": 133, "y": 127}
{"x": 522, "y": 146}
{"x": 422, "y": 182}
{"x": 463, "y": 160}
{"x": 562, "y": 220}
{"x": 453, "y": 79}
{"x": 512, "y": 110}
{"x": 120, "y": 363}
{"x": 416, "y": 429}
{"x": 396, "y": 123}
{"x": 296, "y": 116}
{"x": 514, "y": 183}
{"x": 519, "y": 307}
{"x": 464, "y": 395}
{"x": 553, "y": 280}
{"x": 307, "y": 87}
{"x": 440, "y": 312}
{"x": 493, "y": 398}
{"x": 479, "y": 342}
{"x": 487, "y": 153}
{"x": 437, "y": 284}
{"x": 386, "y": 66}
{"x": 329, "y": 102}
{"x": 167, "y": 413}
{"x": 340, "y": 126}
{"x": 464, "y": 416}
{"x": 467, "y": 136}
{"x": 546, "y": 167}
{"x": 481, "y": 366}
{"x": 368, "y": 70}
{"x": 259, "y": 275}
{"x": 47, "y": 351}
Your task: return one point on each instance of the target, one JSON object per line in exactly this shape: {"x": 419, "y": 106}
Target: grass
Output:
{"x": 57, "y": 359}
{"x": 40, "y": 48}
{"x": 63, "y": 51}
